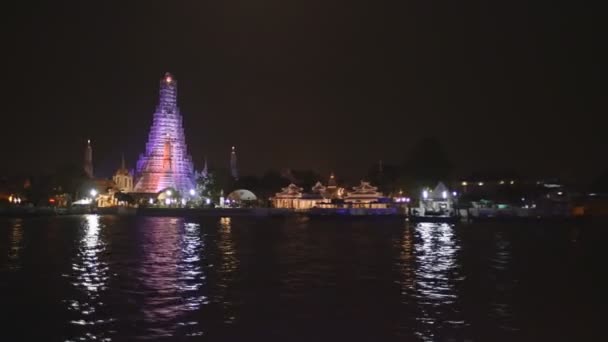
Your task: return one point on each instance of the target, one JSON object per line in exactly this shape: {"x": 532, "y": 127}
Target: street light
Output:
{"x": 93, "y": 193}
{"x": 169, "y": 193}
{"x": 192, "y": 192}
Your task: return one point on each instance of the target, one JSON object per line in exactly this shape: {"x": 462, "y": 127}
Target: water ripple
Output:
{"x": 15, "y": 247}
{"x": 90, "y": 275}
{"x": 429, "y": 268}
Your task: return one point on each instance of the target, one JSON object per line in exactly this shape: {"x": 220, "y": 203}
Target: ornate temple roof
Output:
{"x": 318, "y": 188}
{"x": 365, "y": 190}
{"x": 291, "y": 191}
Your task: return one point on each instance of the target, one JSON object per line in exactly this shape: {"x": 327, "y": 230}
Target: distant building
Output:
{"x": 123, "y": 178}
{"x": 105, "y": 190}
{"x": 365, "y": 193}
{"x": 436, "y": 202}
{"x": 292, "y": 197}
{"x": 362, "y": 196}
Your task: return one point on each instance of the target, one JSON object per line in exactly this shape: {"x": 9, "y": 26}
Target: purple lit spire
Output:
{"x": 166, "y": 163}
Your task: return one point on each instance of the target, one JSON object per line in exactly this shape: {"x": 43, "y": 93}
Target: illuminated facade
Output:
{"x": 365, "y": 196}
{"x": 165, "y": 163}
{"x": 292, "y": 197}
{"x": 437, "y": 202}
{"x": 364, "y": 193}
{"x": 123, "y": 178}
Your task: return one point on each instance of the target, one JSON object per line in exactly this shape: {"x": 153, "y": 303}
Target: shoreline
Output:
{"x": 359, "y": 213}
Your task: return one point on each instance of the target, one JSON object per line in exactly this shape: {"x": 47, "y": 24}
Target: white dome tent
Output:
{"x": 242, "y": 195}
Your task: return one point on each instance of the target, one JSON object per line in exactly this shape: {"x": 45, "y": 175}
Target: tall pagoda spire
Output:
{"x": 233, "y": 168}
{"x": 166, "y": 162}
{"x": 88, "y": 160}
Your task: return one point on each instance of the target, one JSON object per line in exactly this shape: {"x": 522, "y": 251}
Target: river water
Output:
{"x": 110, "y": 278}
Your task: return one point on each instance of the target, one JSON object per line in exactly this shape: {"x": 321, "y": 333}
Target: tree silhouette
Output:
{"x": 427, "y": 164}
{"x": 386, "y": 177}
{"x": 600, "y": 184}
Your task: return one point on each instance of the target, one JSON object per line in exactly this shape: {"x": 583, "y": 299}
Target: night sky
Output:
{"x": 307, "y": 84}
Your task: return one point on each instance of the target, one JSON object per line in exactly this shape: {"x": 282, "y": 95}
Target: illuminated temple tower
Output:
{"x": 166, "y": 162}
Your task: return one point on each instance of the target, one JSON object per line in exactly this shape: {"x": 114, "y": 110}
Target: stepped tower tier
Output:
{"x": 165, "y": 163}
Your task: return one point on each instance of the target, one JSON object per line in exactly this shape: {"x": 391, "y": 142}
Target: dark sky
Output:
{"x": 328, "y": 85}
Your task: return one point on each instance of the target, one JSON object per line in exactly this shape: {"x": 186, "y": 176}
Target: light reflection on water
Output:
{"x": 407, "y": 263}
{"x": 89, "y": 276}
{"x": 16, "y": 237}
{"x": 434, "y": 275}
{"x": 191, "y": 277}
{"x": 173, "y": 278}
{"x": 158, "y": 272}
{"x": 227, "y": 269}
{"x": 130, "y": 278}
{"x": 501, "y": 310}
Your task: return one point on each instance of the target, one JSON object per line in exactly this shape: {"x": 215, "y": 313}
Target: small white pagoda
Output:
{"x": 436, "y": 202}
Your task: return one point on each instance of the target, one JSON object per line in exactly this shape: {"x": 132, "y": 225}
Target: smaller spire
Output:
{"x": 88, "y": 159}
{"x": 233, "y": 167}
{"x": 205, "y": 168}
{"x": 332, "y": 180}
